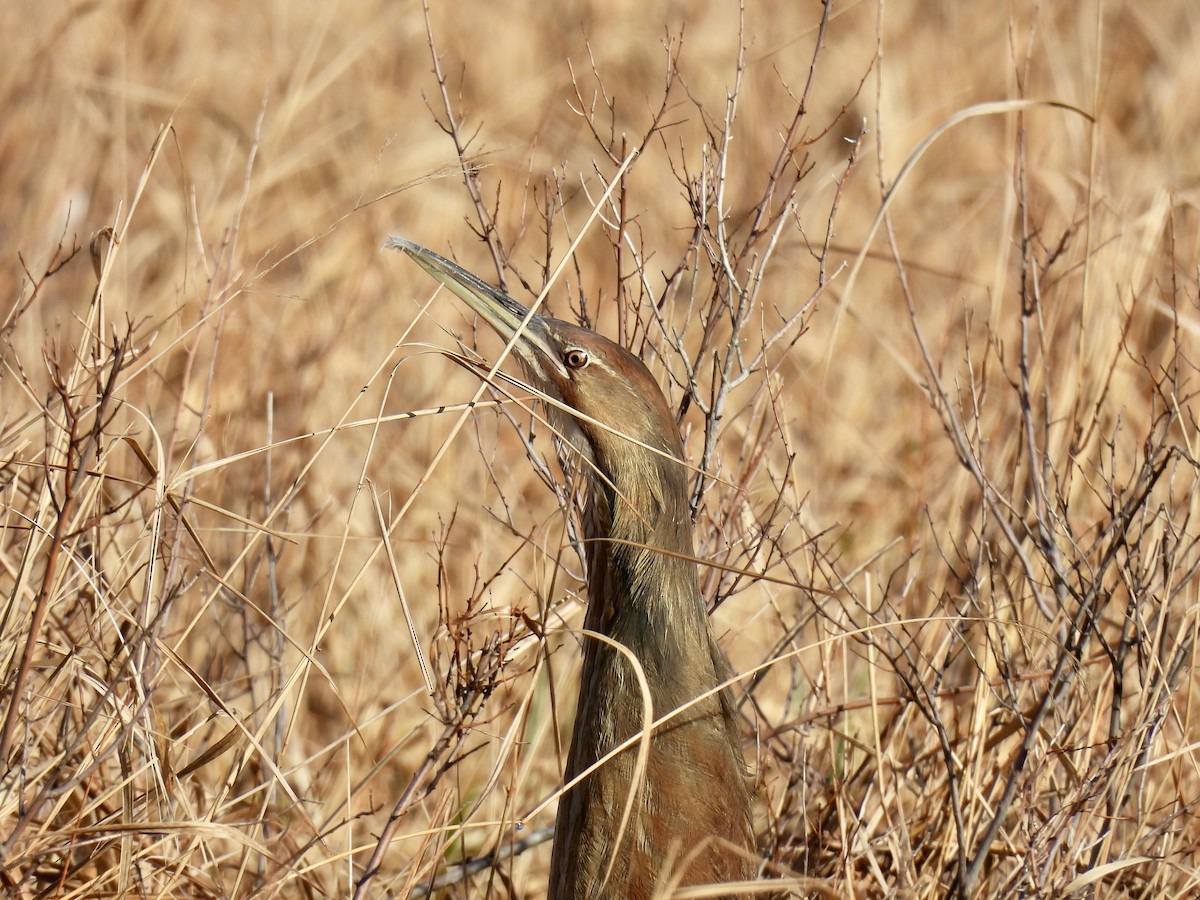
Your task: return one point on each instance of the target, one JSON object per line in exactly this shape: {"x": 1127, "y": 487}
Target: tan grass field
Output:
{"x": 920, "y": 278}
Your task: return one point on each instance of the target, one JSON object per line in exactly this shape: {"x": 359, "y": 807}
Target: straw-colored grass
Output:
{"x": 940, "y": 397}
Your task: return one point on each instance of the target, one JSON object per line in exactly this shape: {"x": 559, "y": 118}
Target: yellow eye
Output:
{"x": 576, "y": 358}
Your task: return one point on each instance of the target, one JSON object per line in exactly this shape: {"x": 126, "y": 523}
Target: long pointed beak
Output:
{"x": 506, "y": 316}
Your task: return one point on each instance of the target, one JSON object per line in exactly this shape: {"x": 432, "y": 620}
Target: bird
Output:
{"x": 643, "y": 822}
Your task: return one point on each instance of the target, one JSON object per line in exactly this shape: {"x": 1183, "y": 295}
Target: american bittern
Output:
{"x": 690, "y": 821}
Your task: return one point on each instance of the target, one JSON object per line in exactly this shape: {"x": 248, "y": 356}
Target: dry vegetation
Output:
{"x": 943, "y": 403}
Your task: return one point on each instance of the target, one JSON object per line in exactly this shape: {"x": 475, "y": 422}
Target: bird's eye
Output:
{"x": 576, "y": 358}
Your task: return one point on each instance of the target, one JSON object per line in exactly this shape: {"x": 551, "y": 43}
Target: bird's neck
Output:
{"x": 643, "y": 581}
{"x": 692, "y": 793}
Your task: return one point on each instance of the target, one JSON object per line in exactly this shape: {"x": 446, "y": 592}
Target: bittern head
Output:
{"x": 616, "y": 402}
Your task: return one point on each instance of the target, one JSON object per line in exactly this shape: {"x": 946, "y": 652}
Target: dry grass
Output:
{"x": 957, "y": 439}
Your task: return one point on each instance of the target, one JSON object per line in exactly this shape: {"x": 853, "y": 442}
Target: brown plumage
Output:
{"x": 691, "y": 820}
